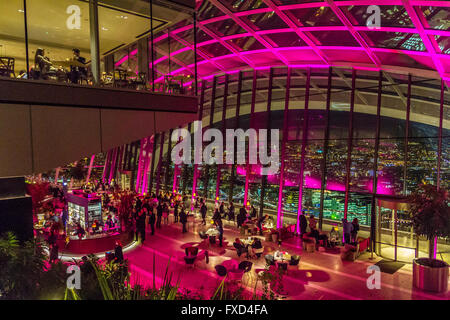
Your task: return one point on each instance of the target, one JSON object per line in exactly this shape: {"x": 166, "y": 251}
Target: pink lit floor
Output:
{"x": 320, "y": 276}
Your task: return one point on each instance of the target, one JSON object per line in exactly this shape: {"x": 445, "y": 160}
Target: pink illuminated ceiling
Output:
{"x": 414, "y": 36}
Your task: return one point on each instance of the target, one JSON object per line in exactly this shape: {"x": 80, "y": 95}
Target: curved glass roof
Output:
{"x": 413, "y": 36}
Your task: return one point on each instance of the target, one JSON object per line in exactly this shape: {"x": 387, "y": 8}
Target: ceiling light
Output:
{"x": 104, "y": 29}
{"x": 21, "y": 11}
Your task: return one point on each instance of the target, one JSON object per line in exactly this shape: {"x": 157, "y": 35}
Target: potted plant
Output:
{"x": 430, "y": 215}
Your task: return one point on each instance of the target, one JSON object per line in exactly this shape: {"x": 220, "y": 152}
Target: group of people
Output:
{"x": 47, "y": 69}
{"x": 154, "y": 210}
{"x": 350, "y": 230}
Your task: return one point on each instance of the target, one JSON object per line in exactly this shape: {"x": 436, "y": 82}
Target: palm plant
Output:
{"x": 24, "y": 273}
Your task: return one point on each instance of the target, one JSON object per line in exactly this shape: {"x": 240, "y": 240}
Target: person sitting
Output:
{"x": 334, "y": 237}
{"x": 240, "y": 248}
{"x": 44, "y": 65}
{"x": 257, "y": 247}
{"x": 109, "y": 223}
{"x": 80, "y": 231}
{"x": 95, "y": 226}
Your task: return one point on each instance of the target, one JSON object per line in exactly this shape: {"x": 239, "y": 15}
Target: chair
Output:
{"x": 283, "y": 265}
{"x": 221, "y": 270}
{"x": 7, "y": 67}
{"x": 203, "y": 235}
{"x": 258, "y": 252}
{"x": 120, "y": 79}
{"x": 35, "y": 74}
{"x": 240, "y": 249}
{"x": 246, "y": 266}
{"x": 269, "y": 259}
{"x": 191, "y": 255}
{"x": 191, "y": 251}
{"x": 293, "y": 263}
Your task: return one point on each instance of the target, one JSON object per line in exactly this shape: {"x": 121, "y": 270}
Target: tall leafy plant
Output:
{"x": 430, "y": 213}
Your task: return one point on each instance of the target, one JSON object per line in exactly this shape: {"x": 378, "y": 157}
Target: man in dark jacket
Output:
{"x": 303, "y": 224}
{"x": 203, "y": 211}
{"x": 175, "y": 211}
{"x": 140, "y": 225}
{"x": 183, "y": 218}
{"x": 231, "y": 212}
{"x": 151, "y": 221}
{"x": 219, "y": 227}
{"x": 159, "y": 213}
{"x": 241, "y": 217}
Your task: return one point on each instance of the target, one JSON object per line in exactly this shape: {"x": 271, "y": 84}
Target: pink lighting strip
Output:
{"x": 91, "y": 163}
{"x": 283, "y": 151}
{"x": 303, "y": 152}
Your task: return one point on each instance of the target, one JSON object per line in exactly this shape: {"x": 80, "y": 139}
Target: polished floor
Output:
{"x": 321, "y": 275}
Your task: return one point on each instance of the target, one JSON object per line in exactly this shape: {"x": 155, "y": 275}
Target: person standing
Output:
{"x": 216, "y": 215}
{"x": 203, "y": 211}
{"x": 159, "y": 213}
{"x": 303, "y": 224}
{"x": 347, "y": 228}
{"x": 175, "y": 211}
{"x": 231, "y": 212}
{"x": 312, "y": 223}
{"x": 260, "y": 223}
{"x": 355, "y": 229}
{"x": 151, "y": 221}
{"x": 219, "y": 227}
{"x": 253, "y": 212}
{"x": 118, "y": 252}
{"x": 241, "y": 217}
{"x": 140, "y": 225}
{"x": 183, "y": 218}
{"x": 166, "y": 213}
{"x": 222, "y": 209}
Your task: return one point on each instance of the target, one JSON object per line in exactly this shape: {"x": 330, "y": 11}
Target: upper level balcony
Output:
{"x": 103, "y": 43}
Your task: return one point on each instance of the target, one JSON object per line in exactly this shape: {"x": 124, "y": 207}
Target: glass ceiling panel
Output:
{"x": 243, "y": 5}
{"x": 312, "y": 17}
{"x": 444, "y": 44}
{"x": 207, "y": 11}
{"x": 226, "y": 27}
{"x": 215, "y": 50}
{"x": 246, "y": 44}
{"x": 437, "y": 18}
{"x": 335, "y": 38}
{"x": 286, "y": 39}
{"x": 396, "y": 40}
{"x": 391, "y": 16}
{"x": 188, "y": 35}
{"x": 266, "y": 21}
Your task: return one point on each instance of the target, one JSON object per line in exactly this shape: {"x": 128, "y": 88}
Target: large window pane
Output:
{"x": 55, "y": 28}
{"x": 12, "y": 38}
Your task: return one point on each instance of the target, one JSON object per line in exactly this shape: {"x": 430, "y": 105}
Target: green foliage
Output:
{"x": 430, "y": 212}
{"x": 24, "y": 274}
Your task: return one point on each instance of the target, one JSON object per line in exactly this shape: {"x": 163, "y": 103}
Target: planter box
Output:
{"x": 429, "y": 278}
